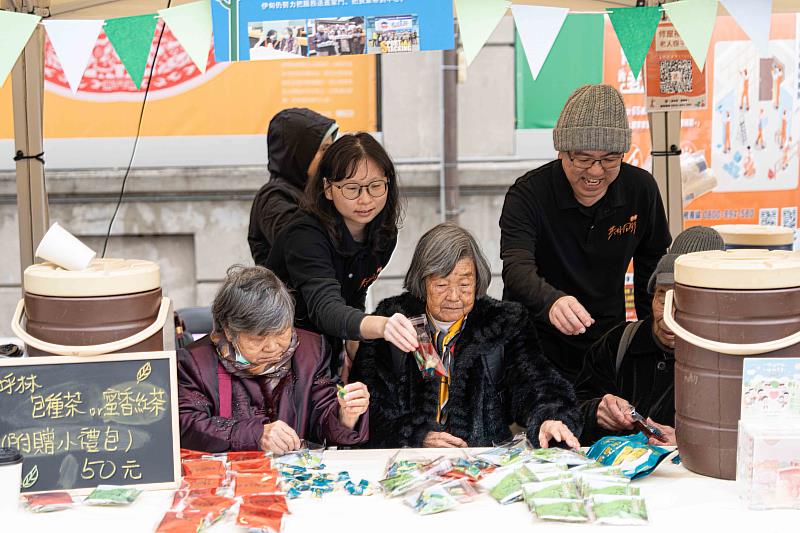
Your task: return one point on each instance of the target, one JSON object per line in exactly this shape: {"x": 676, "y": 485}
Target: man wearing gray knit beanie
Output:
{"x": 570, "y": 228}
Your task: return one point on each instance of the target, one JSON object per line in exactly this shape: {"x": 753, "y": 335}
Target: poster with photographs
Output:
{"x": 388, "y": 35}
{"x": 340, "y": 36}
{"x": 278, "y": 39}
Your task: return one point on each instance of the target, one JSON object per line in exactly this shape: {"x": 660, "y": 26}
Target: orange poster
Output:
{"x": 740, "y": 162}
{"x": 230, "y": 99}
{"x": 673, "y": 81}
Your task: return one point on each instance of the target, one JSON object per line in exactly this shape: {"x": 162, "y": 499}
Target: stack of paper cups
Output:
{"x": 64, "y": 249}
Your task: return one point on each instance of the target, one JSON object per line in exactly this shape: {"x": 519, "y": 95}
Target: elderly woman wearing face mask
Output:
{"x": 496, "y": 374}
{"x": 241, "y": 388}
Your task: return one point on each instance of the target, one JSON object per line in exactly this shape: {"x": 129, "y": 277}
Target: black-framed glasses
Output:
{"x": 376, "y": 189}
{"x": 585, "y": 162}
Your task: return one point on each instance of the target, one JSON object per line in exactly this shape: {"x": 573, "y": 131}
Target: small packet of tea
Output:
{"x": 596, "y": 486}
{"x": 428, "y": 361}
{"x": 619, "y": 510}
{"x": 204, "y": 482}
{"x": 560, "y": 488}
{"x": 432, "y": 500}
{"x": 203, "y": 467}
{"x": 509, "y": 489}
{"x": 253, "y": 466}
{"x": 246, "y": 456}
{"x": 245, "y": 483}
{"x": 272, "y": 502}
{"x": 560, "y": 509}
{"x": 258, "y": 519}
{"x": 513, "y": 451}
{"x": 182, "y": 522}
{"x": 213, "y": 506}
{"x": 560, "y": 456}
{"x": 648, "y": 429}
{"x": 308, "y": 456}
{"x": 48, "y": 502}
{"x": 112, "y": 495}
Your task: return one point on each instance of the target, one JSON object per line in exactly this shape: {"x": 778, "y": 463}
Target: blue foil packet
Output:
{"x": 631, "y": 453}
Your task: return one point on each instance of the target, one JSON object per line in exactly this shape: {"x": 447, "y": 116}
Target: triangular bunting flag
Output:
{"x": 694, "y": 20}
{"x": 73, "y": 41}
{"x": 132, "y": 37}
{"x": 15, "y": 30}
{"x": 538, "y": 28}
{"x": 191, "y": 26}
{"x": 635, "y": 28}
{"x": 755, "y": 18}
{"x": 477, "y": 19}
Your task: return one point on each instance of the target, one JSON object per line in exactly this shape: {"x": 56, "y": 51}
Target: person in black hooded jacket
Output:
{"x": 296, "y": 140}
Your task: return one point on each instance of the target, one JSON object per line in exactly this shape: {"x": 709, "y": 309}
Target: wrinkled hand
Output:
{"x": 613, "y": 413}
{"x": 669, "y": 434}
{"x": 441, "y": 439}
{"x": 279, "y": 438}
{"x": 554, "y": 429}
{"x": 569, "y": 316}
{"x": 354, "y": 404}
{"x": 400, "y": 332}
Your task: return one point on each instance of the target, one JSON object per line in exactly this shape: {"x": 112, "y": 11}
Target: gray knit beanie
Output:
{"x": 694, "y": 239}
{"x": 593, "y": 118}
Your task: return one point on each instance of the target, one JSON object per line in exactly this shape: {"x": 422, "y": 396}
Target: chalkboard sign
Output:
{"x": 84, "y": 421}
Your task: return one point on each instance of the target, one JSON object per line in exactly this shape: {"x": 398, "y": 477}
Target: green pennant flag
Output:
{"x": 15, "y": 30}
{"x": 694, "y": 20}
{"x": 635, "y": 28}
{"x": 191, "y": 26}
{"x": 477, "y": 19}
{"x": 132, "y": 37}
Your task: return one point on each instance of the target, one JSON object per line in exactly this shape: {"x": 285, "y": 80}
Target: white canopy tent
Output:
{"x": 28, "y": 89}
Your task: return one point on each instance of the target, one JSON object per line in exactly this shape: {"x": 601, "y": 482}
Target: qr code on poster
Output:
{"x": 676, "y": 76}
{"x": 768, "y": 217}
{"x": 789, "y": 217}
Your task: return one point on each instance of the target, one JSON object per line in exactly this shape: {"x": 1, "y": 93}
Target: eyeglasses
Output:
{"x": 585, "y": 163}
{"x": 376, "y": 189}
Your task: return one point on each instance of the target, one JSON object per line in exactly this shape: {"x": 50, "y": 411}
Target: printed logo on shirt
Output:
{"x": 366, "y": 282}
{"x": 628, "y": 227}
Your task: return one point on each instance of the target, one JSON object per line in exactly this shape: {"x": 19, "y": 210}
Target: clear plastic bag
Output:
{"x": 428, "y": 361}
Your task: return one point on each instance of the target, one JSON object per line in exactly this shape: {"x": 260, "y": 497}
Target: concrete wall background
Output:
{"x": 193, "y": 221}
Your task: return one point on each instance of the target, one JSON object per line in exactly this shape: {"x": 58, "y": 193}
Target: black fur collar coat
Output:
{"x": 499, "y": 376}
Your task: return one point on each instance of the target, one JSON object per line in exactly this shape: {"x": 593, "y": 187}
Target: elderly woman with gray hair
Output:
{"x": 494, "y": 371}
{"x": 241, "y": 388}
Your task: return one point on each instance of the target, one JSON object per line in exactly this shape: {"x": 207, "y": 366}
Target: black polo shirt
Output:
{"x": 553, "y": 246}
{"x": 329, "y": 281}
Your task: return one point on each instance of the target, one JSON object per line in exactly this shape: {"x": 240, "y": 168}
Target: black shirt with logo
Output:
{"x": 552, "y": 246}
{"x": 329, "y": 281}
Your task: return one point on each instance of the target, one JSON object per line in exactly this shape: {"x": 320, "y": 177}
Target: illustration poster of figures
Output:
{"x": 754, "y": 136}
{"x": 740, "y": 153}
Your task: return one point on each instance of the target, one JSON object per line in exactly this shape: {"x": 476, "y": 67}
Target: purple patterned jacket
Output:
{"x": 305, "y": 399}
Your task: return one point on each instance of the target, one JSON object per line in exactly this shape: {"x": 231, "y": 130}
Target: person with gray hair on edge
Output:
{"x": 570, "y": 228}
{"x": 633, "y": 365}
{"x": 241, "y": 388}
{"x": 492, "y": 371}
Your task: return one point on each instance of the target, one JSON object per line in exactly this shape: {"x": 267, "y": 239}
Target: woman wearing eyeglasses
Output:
{"x": 335, "y": 249}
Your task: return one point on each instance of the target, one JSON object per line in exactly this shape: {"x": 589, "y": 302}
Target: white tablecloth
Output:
{"x": 678, "y": 501}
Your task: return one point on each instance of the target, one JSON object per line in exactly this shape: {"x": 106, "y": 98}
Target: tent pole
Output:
{"x": 27, "y": 87}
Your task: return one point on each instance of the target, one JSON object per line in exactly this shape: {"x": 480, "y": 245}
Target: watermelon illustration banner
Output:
{"x": 261, "y": 29}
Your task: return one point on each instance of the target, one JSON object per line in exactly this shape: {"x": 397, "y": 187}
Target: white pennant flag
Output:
{"x": 538, "y": 28}
{"x": 191, "y": 26}
{"x": 73, "y": 41}
{"x": 755, "y": 18}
